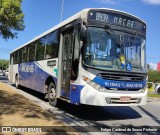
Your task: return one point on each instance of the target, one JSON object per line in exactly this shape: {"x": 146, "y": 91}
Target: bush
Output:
{"x": 153, "y": 76}
{"x": 150, "y": 85}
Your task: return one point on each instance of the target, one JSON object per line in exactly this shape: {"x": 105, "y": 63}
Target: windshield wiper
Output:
{"x": 113, "y": 36}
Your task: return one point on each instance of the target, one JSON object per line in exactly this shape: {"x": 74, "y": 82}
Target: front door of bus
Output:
{"x": 67, "y": 51}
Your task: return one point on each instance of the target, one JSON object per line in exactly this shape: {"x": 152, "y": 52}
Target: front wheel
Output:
{"x": 158, "y": 90}
{"x": 52, "y": 94}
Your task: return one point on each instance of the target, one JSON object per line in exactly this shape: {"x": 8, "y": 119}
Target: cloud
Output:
{"x": 106, "y": 1}
{"x": 153, "y": 2}
{"x": 153, "y": 65}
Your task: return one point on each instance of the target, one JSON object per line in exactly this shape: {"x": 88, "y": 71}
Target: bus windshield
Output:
{"x": 108, "y": 49}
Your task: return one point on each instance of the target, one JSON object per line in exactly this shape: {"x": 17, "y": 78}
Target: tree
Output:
{"x": 154, "y": 76}
{"x": 4, "y": 64}
{"x": 11, "y": 18}
{"x": 148, "y": 66}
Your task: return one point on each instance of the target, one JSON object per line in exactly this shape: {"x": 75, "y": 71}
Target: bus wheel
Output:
{"x": 52, "y": 94}
{"x": 17, "y": 83}
{"x": 158, "y": 91}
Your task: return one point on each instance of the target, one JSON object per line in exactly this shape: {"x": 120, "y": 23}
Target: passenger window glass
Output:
{"x": 24, "y": 54}
{"x": 20, "y": 56}
{"x": 40, "y": 48}
{"x": 31, "y": 52}
{"x": 52, "y": 45}
{"x": 15, "y": 59}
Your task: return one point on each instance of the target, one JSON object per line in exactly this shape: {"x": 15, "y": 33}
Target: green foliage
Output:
{"x": 153, "y": 76}
{"x": 11, "y": 18}
{"x": 149, "y": 85}
{"x": 4, "y": 64}
{"x": 154, "y": 95}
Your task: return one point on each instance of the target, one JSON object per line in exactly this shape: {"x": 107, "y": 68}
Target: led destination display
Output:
{"x": 117, "y": 19}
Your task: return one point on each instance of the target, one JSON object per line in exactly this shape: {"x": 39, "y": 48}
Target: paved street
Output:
{"x": 148, "y": 115}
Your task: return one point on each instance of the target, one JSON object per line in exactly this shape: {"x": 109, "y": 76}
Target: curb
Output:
{"x": 153, "y": 99}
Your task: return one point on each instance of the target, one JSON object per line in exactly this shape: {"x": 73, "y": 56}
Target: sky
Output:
{"x": 41, "y": 15}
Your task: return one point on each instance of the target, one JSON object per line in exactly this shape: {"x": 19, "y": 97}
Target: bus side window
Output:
{"x": 24, "y": 54}
{"x": 20, "y": 56}
{"x": 15, "y": 57}
{"x": 52, "y": 45}
{"x": 31, "y": 52}
{"x": 40, "y": 48}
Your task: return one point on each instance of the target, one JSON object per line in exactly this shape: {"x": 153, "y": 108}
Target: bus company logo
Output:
{"x": 27, "y": 68}
{"x": 126, "y": 78}
{"x": 6, "y": 129}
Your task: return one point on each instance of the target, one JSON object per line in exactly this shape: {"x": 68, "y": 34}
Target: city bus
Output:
{"x": 96, "y": 57}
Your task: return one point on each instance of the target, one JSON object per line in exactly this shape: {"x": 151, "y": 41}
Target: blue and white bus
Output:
{"x": 96, "y": 57}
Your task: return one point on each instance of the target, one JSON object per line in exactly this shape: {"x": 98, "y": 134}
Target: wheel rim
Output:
{"x": 52, "y": 94}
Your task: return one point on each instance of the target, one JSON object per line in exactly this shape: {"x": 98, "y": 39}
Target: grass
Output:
{"x": 16, "y": 110}
{"x": 154, "y": 95}
{"x": 151, "y": 89}
{"x": 151, "y": 93}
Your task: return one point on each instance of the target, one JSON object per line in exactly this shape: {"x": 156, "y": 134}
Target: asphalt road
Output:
{"x": 141, "y": 116}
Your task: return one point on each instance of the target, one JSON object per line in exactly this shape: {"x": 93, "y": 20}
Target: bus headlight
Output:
{"x": 93, "y": 84}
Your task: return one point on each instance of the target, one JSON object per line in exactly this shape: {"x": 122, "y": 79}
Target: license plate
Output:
{"x": 125, "y": 98}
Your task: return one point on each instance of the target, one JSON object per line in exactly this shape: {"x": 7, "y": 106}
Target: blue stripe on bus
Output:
{"x": 75, "y": 94}
{"x": 32, "y": 76}
{"x": 119, "y": 84}
{"x": 65, "y": 93}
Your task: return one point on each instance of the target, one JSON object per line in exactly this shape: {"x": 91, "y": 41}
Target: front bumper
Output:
{"x": 91, "y": 96}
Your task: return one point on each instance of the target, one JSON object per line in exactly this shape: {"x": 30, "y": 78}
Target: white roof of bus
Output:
{"x": 82, "y": 13}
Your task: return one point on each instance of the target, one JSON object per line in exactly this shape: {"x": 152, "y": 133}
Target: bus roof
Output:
{"x": 82, "y": 14}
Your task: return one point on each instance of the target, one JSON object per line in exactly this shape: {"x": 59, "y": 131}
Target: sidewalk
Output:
{"x": 16, "y": 110}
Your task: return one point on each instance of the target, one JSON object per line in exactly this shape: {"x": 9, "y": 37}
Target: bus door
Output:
{"x": 67, "y": 51}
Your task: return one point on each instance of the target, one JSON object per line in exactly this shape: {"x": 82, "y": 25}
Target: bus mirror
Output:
{"x": 83, "y": 34}
{"x": 81, "y": 29}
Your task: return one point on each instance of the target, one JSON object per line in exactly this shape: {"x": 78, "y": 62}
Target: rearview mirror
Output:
{"x": 82, "y": 29}
{"x": 83, "y": 33}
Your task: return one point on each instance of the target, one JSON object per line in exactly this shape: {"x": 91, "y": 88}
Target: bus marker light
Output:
{"x": 74, "y": 88}
{"x": 85, "y": 78}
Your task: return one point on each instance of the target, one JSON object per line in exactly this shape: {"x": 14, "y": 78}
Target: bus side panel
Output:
{"x": 44, "y": 69}
{"x": 40, "y": 77}
{"x": 33, "y": 75}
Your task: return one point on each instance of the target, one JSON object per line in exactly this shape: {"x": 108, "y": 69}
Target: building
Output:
{"x": 158, "y": 66}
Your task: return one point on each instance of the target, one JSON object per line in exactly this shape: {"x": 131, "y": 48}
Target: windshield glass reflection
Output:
{"x": 114, "y": 50}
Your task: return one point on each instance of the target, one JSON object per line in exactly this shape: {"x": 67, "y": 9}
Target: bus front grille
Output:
{"x": 122, "y": 77}
{"x": 118, "y": 101}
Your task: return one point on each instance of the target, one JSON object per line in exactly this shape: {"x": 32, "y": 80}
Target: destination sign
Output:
{"x": 117, "y": 19}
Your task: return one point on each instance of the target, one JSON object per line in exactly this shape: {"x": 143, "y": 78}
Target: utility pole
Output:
{"x": 62, "y": 10}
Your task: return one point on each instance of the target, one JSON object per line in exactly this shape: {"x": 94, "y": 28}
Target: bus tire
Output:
{"x": 158, "y": 90}
{"x": 52, "y": 94}
{"x": 16, "y": 82}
